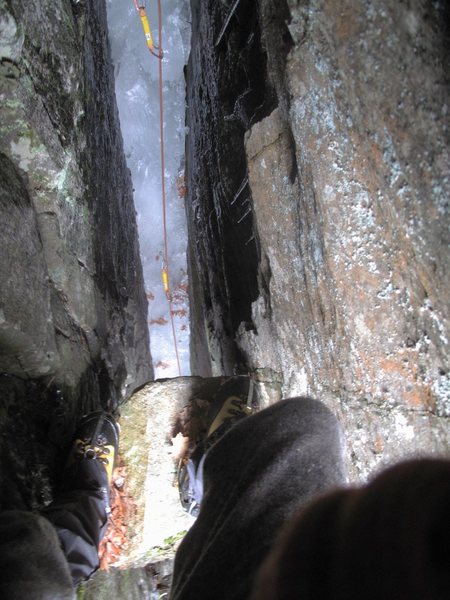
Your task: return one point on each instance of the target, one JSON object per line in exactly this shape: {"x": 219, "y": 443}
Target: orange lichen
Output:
{"x": 405, "y": 375}
{"x": 122, "y": 506}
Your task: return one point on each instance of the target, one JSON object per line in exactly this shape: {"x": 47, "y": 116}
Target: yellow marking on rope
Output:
{"x": 165, "y": 280}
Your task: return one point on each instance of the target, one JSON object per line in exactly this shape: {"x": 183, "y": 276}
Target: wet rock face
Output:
{"x": 227, "y": 92}
{"x": 348, "y": 186}
{"x": 72, "y": 303}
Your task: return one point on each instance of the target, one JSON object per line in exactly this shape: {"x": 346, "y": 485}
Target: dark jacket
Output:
{"x": 389, "y": 540}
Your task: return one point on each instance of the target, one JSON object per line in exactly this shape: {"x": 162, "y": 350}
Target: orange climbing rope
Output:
{"x": 140, "y": 7}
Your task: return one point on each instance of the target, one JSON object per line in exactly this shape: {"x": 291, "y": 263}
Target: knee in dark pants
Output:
{"x": 32, "y": 563}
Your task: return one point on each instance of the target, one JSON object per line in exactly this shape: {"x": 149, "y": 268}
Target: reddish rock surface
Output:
{"x": 349, "y": 188}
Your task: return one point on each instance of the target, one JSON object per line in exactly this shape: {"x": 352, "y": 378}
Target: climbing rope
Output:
{"x": 156, "y": 50}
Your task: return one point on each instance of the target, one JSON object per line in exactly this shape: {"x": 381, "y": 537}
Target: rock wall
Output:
{"x": 318, "y": 189}
{"x": 73, "y": 326}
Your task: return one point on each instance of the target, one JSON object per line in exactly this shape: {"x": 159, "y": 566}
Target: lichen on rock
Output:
{"x": 73, "y": 327}
{"x": 345, "y": 199}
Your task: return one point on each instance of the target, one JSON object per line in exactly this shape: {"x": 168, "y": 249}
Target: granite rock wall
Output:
{"x": 318, "y": 206}
{"x": 73, "y": 325}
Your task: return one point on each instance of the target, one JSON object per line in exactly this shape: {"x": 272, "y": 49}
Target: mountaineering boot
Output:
{"x": 80, "y": 510}
{"x": 92, "y": 456}
{"x": 231, "y": 403}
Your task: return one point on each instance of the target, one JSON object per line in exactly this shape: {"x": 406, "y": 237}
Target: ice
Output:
{"x": 137, "y": 91}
